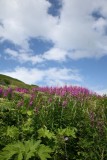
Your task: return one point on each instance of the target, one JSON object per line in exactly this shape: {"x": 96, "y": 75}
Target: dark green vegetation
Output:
{"x": 52, "y": 123}
{"x": 9, "y": 81}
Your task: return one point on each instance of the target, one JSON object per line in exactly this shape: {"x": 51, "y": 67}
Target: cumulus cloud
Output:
{"x": 23, "y": 56}
{"x": 36, "y": 76}
{"x": 100, "y": 25}
{"x": 24, "y": 19}
{"x": 76, "y": 29}
{"x": 55, "y": 54}
{"x": 76, "y": 33}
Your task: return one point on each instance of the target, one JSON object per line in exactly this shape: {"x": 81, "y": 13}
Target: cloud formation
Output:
{"x": 25, "y": 19}
{"x": 23, "y": 56}
{"x": 80, "y": 31}
{"x": 51, "y": 76}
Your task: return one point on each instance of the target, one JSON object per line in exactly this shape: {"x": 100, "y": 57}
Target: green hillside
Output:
{"x": 9, "y": 81}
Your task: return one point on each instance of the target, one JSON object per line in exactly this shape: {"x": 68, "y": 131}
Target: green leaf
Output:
{"x": 25, "y": 150}
{"x": 67, "y": 132}
{"x": 20, "y": 156}
{"x": 43, "y": 132}
{"x": 12, "y": 131}
{"x": 31, "y": 148}
{"x": 7, "y": 152}
{"x": 31, "y": 145}
{"x": 44, "y": 152}
{"x": 29, "y": 113}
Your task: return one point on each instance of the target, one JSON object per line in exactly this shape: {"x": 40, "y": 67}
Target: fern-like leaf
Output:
{"x": 44, "y": 152}
{"x": 31, "y": 148}
{"x": 67, "y": 132}
{"x": 8, "y": 152}
{"x": 12, "y": 131}
{"x": 25, "y": 150}
{"x": 20, "y": 156}
{"x": 44, "y": 132}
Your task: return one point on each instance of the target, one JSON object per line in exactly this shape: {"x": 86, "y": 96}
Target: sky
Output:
{"x": 55, "y": 42}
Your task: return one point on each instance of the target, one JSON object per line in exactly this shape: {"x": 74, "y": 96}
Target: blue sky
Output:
{"x": 55, "y": 42}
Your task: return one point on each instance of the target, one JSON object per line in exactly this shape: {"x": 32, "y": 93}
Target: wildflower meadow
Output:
{"x": 57, "y": 123}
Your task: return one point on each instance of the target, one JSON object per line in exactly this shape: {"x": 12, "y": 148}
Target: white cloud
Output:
{"x": 23, "y": 56}
{"x": 102, "y": 91}
{"x": 75, "y": 35}
{"x": 100, "y": 25}
{"x": 55, "y": 54}
{"x": 76, "y": 29}
{"x": 98, "y": 89}
{"x": 35, "y": 76}
{"x": 24, "y": 19}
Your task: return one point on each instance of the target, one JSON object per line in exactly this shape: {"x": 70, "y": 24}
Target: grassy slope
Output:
{"x": 9, "y": 81}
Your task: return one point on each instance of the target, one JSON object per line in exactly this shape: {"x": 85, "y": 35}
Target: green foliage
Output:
{"x": 44, "y": 132}
{"x": 26, "y": 150}
{"x": 67, "y": 132}
{"x": 12, "y": 132}
{"x": 44, "y": 152}
{"x": 6, "y": 80}
{"x": 47, "y": 129}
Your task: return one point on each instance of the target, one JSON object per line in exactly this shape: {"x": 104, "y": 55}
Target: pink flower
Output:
{"x": 31, "y": 103}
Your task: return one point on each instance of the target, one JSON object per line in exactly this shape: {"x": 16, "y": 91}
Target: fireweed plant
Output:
{"x": 58, "y": 123}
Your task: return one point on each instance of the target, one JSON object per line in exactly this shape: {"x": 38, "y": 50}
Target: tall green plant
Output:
{"x": 25, "y": 151}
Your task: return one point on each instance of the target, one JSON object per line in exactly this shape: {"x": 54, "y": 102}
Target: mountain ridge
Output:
{"x": 10, "y": 81}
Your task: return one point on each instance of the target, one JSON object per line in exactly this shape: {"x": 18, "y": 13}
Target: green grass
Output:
{"x": 9, "y": 81}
